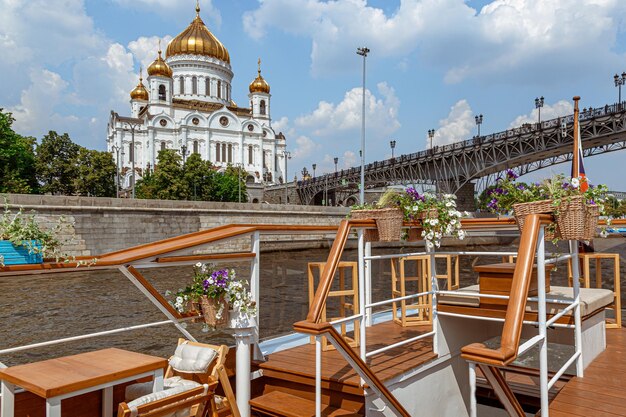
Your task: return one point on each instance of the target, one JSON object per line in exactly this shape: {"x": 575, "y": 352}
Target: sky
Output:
{"x": 433, "y": 64}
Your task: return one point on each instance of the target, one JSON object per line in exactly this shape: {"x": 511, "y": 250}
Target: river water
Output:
{"x": 39, "y": 308}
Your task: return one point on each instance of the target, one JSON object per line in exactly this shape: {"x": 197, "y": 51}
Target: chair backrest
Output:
{"x": 204, "y": 377}
{"x": 168, "y": 403}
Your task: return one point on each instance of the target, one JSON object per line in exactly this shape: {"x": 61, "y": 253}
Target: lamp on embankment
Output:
{"x": 479, "y": 121}
{"x": 363, "y": 52}
{"x": 538, "y": 106}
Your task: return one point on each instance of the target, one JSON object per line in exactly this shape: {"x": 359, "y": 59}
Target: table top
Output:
{"x": 60, "y": 376}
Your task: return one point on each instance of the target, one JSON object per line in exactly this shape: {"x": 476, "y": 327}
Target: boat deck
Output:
{"x": 601, "y": 391}
{"x": 386, "y": 365}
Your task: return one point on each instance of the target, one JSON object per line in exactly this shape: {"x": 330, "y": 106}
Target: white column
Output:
{"x": 541, "y": 318}
{"x": 152, "y": 148}
{"x": 243, "y": 339}
{"x": 187, "y": 85}
{"x": 8, "y": 399}
{"x": 201, "y": 86}
{"x": 207, "y": 152}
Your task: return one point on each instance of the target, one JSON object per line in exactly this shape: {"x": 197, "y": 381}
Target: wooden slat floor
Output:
{"x": 386, "y": 365}
{"x": 600, "y": 393}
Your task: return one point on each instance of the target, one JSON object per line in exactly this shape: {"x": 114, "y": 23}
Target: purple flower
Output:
{"x": 521, "y": 187}
{"x": 511, "y": 175}
{"x": 592, "y": 202}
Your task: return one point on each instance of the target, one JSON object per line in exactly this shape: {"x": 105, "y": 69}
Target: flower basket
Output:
{"x": 570, "y": 220}
{"x": 371, "y": 235}
{"x": 16, "y": 255}
{"x": 215, "y": 311}
{"x": 389, "y": 224}
{"x": 592, "y": 214}
{"x": 521, "y": 210}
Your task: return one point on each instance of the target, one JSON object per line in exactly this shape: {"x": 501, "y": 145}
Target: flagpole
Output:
{"x": 575, "y": 162}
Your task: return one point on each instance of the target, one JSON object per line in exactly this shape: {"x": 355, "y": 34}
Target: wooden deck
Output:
{"x": 300, "y": 361}
{"x": 600, "y": 393}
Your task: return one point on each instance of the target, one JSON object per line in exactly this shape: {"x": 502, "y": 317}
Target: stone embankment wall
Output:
{"x": 103, "y": 225}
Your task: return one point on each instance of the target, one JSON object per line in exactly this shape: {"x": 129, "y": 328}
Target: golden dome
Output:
{"x": 259, "y": 85}
{"x": 160, "y": 67}
{"x": 139, "y": 92}
{"x": 197, "y": 40}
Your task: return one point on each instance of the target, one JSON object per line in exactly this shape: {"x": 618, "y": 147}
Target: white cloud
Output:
{"x": 558, "y": 109}
{"x": 381, "y": 114}
{"x": 456, "y": 127}
{"x": 504, "y": 36}
{"x": 281, "y": 124}
{"x": 145, "y": 48}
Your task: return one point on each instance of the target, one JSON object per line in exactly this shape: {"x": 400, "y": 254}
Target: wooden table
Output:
{"x": 60, "y": 378}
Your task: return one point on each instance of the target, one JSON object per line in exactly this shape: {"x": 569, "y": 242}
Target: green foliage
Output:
{"x": 21, "y": 229}
{"x": 17, "y": 159}
{"x": 56, "y": 164}
{"x": 96, "y": 173}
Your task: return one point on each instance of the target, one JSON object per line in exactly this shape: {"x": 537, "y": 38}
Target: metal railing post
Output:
{"x": 543, "y": 330}
{"x": 361, "y": 237}
{"x": 578, "y": 338}
{"x": 434, "y": 288}
{"x": 318, "y": 376}
{"x": 368, "y": 284}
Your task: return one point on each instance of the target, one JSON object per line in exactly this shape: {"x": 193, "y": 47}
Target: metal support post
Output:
{"x": 318, "y": 376}
{"x": 543, "y": 330}
{"x": 362, "y": 349}
{"x": 472, "y": 384}
{"x": 368, "y": 284}
{"x": 434, "y": 288}
{"x": 578, "y": 338}
{"x": 243, "y": 338}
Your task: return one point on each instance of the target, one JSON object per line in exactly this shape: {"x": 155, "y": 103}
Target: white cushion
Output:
{"x": 462, "y": 300}
{"x": 591, "y": 299}
{"x": 140, "y": 389}
{"x": 155, "y": 396}
{"x": 192, "y": 359}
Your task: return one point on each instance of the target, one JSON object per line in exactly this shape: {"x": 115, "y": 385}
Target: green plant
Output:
{"x": 21, "y": 230}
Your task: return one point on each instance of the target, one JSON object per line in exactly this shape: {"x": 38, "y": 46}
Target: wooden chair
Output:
{"x": 169, "y": 403}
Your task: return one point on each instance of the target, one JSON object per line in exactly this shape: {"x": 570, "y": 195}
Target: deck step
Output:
{"x": 282, "y": 404}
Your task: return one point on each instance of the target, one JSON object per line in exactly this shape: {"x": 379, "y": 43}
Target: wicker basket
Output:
{"x": 521, "y": 210}
{"x": 389, "y": 224}
{"x": 570, "y": 220}
{"x": 592, "y": 213}
{"x": 371, "y": 235}
{"x": 210, "y": 309}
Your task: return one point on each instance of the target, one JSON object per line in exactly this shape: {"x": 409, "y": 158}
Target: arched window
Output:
{"x": 262, "y": 107}
{"x": 207, "y": 86}
{"x": 131, "y": 153}
{"x": 163, "y": 146}
{"x": 181, "y": 83}
{"x": 250, "y": 154}
{"x": 230, "y": 152}
{"x": 162, "y": 95}
{"x": 217, "y": 152}
{"x": 195, "y": 146}
{"x": 219, "y": 89}
{"x": 223, "y": 152}
{"x": 194, "y": 85}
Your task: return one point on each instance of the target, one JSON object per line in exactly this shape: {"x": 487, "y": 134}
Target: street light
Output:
{"x": 431, "y": 135}
{"x": 363, "y": 52}
{"x": 619, "y": 82}
{"x": 479, "y": 121}
{"x": 392, "y": 143}
{"x": 132, "y": 126}
{"x": 538, "y": 106}
{"x": 184, "y": 152}
{"x": 304, "y": 173}
{"x": 116, "y": 149}
{"x": 314, "y": 166}
{"x": 336, "y": 160}
{"x": 287, "y": 156}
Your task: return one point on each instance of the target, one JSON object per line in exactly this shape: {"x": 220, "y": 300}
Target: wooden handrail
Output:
{"x": 513, "y": 321}
{"x": 318, "y": 329}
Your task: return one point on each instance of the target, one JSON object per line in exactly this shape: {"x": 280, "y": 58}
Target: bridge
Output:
{"x": 465, "y": 166}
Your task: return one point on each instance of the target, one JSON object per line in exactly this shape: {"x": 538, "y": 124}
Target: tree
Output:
{"x": 199, "y": 177}
{"x": 96, "y": 173}
{"x": 56, "y": 164}
{"x": 166, "y": 183}
{"x": 17, "y": 159}
{"x": 230, "y": 185}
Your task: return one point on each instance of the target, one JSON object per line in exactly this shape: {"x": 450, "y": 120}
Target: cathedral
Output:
{"x": 186, "y": 105}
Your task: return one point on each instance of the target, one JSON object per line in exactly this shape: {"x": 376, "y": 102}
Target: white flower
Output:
{"x": 434, "y": 222}
{"x": 179, "y": 300}
{"x": 429, "y": 244}
{"x": 453, "y": 221}
{"x": 575, "y": 182}
{"x": 449, "y": 204}
{"x": 461, "y": 234}
{"x": 604, "y": 233}
{"x": 211, "y": 281}
{"x": 199, "y": 264}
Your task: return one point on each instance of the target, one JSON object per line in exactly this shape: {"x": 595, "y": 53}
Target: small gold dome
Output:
{"x": 139, "y": 92}
{"x": 259, "y": 85}
{"x": 160, "y": 67}
{"x": 197, "y": 39}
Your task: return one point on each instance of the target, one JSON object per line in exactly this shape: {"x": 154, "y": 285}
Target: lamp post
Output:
{"x": 336, "y": 160}
{"x": 392, "y": 143}
{"x": 314, "y": 166}
{"x": 304, "y": 173}
{"x": 287, "y": 156}
{"x": 431, "y": 135}
{"x": 619, "y": 82}
{"x": 538, "y": 106}
{"x": 183, "y": 151}
{"x": 132, "y": 126}
{"x": 116, "y": 149}
{"x": 479, "y": 121}
{"x": 239, "y": 166}
{"x": 363, "y": 52}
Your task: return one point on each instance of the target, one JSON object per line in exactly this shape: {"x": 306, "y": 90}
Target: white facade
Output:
{"x": 188, "y": 106}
